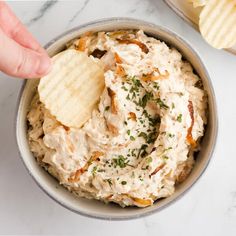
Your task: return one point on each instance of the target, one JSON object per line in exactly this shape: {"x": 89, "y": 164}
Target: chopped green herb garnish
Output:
{"x": 107, "y": 108}
{"x": 94, "y": 170}
{"x": 132, "y": 175}
{"x": 140, "y": 178}
{"x": 128, "y": 131}
{"x": 125, "y": 122}
{"x": 171, "y": 135}
{"x": 167, "y": 149}
{"x": 136, "y": 83}
{"x": 161, "y": 103}
{"x": 123, "y": 182}
{"x": 121, "y": 161}
{"x": 151, "y": 137}
{"x": 149, "y": 160}
{"x": 165, "y": 158}
{"x": 156, "y": 85}
{"x": 154, "y": 121}
{"x": 142, "y": 151}
{"x": 132, "y": 138}
{"x": 109, "y": 182}
{"x": 145, "y": 99}
{"x": 179, "y": 118}
{"x": 145, "y": 168}
{"x": 144, "y": 135}
{"x": 173, "y": 105}
{"x": 127, "y": 97}
{"x": 124, "y": 88}
{"x": 133, "y": 152}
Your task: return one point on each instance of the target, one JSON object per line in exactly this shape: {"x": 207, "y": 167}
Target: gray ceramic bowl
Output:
{"x": 95, "y": 208}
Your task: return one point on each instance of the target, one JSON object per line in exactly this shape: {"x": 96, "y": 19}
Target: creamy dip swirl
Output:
{"x": 141, "y": 140}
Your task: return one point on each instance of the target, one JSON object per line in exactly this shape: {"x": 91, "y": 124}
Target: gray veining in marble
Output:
{"x": 45, "y": 7}
{"x": 78, "y": 12}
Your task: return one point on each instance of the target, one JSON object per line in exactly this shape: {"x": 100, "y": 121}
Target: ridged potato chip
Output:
{"x": 198, "y": 3}
{"x": 218, "y": 23}
{"x": 72, "y": 89}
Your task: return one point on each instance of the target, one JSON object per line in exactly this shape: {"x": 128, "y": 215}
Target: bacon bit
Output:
{"x": 151, "y": 77}
{"x": 143, "y": 202}
{"x": 132, "y": 116}
{"x": 112, "y": 129}
{"x": 157, "y": 169}
{"x": 112, "y": 95}
{"x": 189, "y": 136}
{"x": 75, "y": 176}
{"x": 143, "y": 47}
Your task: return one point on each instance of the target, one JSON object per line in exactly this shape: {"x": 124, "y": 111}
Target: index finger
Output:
{"x": 13, "y": 27}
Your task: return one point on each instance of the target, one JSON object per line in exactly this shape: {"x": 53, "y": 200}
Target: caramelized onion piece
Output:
{"x": 142, "y": 46}
{"x": 132, "y": 116}
{"x": 82, "y": 44}
{"x": 142, "y": 202}
{"x": 117, "y": 58}
{"x": 112, "y": 129}
{"x": 119, "y": 69}
{"x": 157, "y": 169}
{"x": 183, "y": 174}
{"x": 189, "y": 137}
{"x": 151, "y": 77}
{"x": 95, "y": 157}
{"x": 120, "y": 34}
{"x": 112, "y": 95}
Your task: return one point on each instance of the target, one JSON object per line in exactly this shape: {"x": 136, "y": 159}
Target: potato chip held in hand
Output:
{"x": 72, "y": 89}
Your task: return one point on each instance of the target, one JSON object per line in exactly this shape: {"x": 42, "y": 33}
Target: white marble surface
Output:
{"x": 208, "y": 209}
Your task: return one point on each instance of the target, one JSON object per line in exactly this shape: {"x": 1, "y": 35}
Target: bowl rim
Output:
{"x": 212, "y": 148}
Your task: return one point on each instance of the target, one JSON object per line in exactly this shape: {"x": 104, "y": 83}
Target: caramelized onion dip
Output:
{"x": 141, "y": 140}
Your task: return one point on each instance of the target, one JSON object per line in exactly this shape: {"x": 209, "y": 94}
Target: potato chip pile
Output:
{"x": 217, "y": 22}
{"x": 71, "y": 91}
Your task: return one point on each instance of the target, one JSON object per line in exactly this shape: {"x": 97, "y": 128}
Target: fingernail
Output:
{"x": 44, "y": 66}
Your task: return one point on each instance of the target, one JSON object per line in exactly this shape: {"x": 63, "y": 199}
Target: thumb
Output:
{"x": 18, "y": 61}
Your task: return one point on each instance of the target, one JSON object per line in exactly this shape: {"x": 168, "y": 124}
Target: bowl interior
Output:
{"x": 95, "y": 208}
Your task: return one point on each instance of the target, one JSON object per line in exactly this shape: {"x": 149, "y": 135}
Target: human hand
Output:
{"x": 20, "y": 54}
